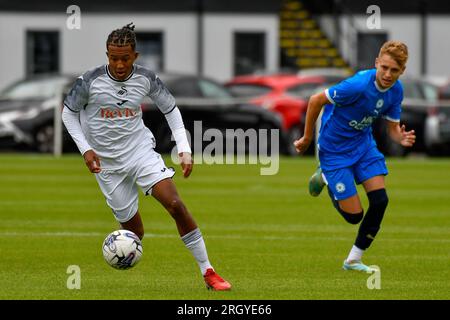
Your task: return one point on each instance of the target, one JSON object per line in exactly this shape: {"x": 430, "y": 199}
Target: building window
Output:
{"x": 150, "y": 48}
{"x": 42, "y": 52}
{"x": 249, "y": 52}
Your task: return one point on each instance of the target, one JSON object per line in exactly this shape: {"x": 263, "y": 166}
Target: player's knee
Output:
{"x": 352, "y": 218}
{"x": 378, "y": 198}
{"x": 176, "y": 207}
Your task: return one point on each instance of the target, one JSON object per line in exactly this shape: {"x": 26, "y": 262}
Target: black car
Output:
{"x": 27, "y": 109}
{"x": 206, "y": 104}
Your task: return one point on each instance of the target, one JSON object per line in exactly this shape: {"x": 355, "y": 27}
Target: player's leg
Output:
{"x": 369, "y": 171}
{"x": 342, "y": 191}
{"x": 155, "y": 179}
{"x": 165, "y": 192}
{"x": 135, "y": 225}
{"x": 378, "y": 201}
{"x": 370, "y": 225}
{"x": 121, "y": 194}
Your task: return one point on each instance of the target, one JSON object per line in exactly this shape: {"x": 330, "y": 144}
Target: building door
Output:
{"x": 42, "y": 52}
{"x": 369, "y": 45}
{"x": 249, "y": 52}
{"x": 150, "y": 48}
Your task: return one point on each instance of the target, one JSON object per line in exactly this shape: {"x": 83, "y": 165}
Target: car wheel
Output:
{"x": 44, "y": 139}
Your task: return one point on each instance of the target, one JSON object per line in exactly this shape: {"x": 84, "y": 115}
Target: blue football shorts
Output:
{"x": 342, "y": 181}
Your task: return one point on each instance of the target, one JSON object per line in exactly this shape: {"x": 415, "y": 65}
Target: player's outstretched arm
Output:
{"x": 400, "y": 135}
{"x": 73, "y": 126}
{"x": 175, "y": 122}
{"x": 315, "y": 104}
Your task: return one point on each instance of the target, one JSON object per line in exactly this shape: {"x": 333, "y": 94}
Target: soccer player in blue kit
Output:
{"x": 347, "y": 149}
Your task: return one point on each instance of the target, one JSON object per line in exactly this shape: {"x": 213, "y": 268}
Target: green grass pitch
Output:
{"x": 264, "y": 234}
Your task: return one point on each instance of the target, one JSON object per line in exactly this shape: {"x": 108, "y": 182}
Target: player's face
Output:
{"x": 121, "y": 61}
{"x": 388, "y": 71}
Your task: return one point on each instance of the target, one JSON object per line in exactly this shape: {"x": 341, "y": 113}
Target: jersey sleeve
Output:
{"x": 161, "y": 96}
{"x": 176, "y": 125}
{"x": 347, "y": 91}
{"x": 78, "y": 96}
{"x": 394, "y": 111}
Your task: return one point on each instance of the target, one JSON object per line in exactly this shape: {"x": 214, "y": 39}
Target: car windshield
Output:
{"x": 212, "y": 90}
{"x": 418, "y": 90}
{"x": 34, "y": 89}
{"x": 248, "y": 90}
{"x": 304, "y": 90}
{"x": 431, "y": 92}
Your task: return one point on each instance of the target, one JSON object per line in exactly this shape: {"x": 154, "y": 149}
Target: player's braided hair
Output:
{"x": 122, "y": 37}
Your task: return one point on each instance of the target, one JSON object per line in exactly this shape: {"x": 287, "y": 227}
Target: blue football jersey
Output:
{"x": 356, "y": 102}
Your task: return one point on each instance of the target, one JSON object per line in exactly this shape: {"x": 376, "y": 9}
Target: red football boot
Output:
{"x": 215, "y": 282}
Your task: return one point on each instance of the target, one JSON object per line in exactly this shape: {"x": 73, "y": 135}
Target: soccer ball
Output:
{"x": 122, "y": 249}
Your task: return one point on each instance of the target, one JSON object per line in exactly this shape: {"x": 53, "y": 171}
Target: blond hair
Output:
{"x": 397, "y": 50}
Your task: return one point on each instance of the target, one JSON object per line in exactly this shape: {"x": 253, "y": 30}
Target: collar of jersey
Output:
{"x": 381, "y": 89}
{"x": 110, "y": 75}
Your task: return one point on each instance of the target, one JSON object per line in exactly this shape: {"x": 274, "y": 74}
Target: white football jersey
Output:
{"x": 111, "y": 114}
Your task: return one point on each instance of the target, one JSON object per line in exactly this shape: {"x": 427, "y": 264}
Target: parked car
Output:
{"x": 331, "y": 75}
{"x": 205, "y": 100}
{"x": 27, "y": 112}
{"x": 437, "y": 125}
{"x": 280, "y": 93}
{"x": 444, "y": 91}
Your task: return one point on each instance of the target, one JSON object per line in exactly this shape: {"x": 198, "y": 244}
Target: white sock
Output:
{"x": 195, "y": 243}
{"x": 355, "y": 254}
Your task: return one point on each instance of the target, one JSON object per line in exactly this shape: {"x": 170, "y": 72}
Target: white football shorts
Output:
{"x": 120, "y": 187}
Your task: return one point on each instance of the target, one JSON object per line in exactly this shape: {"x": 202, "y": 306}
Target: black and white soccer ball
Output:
{"x": 122, "y": 249}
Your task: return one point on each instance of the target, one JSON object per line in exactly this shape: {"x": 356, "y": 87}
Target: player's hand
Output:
{"x": 408, "y": 137}
{"x": 302, "y": 144}
{"x": 186, "y": 163}
{"x": 92, "y": 161}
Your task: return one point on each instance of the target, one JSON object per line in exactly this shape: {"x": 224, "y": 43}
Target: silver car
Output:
{"x": 27, "y": 109}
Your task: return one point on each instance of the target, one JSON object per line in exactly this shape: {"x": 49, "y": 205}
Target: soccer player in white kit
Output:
{"x": 103, "y": 115}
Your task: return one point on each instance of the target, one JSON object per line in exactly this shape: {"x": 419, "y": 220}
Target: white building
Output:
{"x": 217, "y": 38}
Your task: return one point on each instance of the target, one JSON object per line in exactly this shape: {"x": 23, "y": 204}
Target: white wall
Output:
{"x": 407, "y": 28}
{"x": 439, "y": 44}
{"x": 218, "y": 41}
{"x": 85, "y": 48}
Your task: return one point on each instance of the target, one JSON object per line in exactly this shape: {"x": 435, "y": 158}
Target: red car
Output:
{"x": 286, "y": 94}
